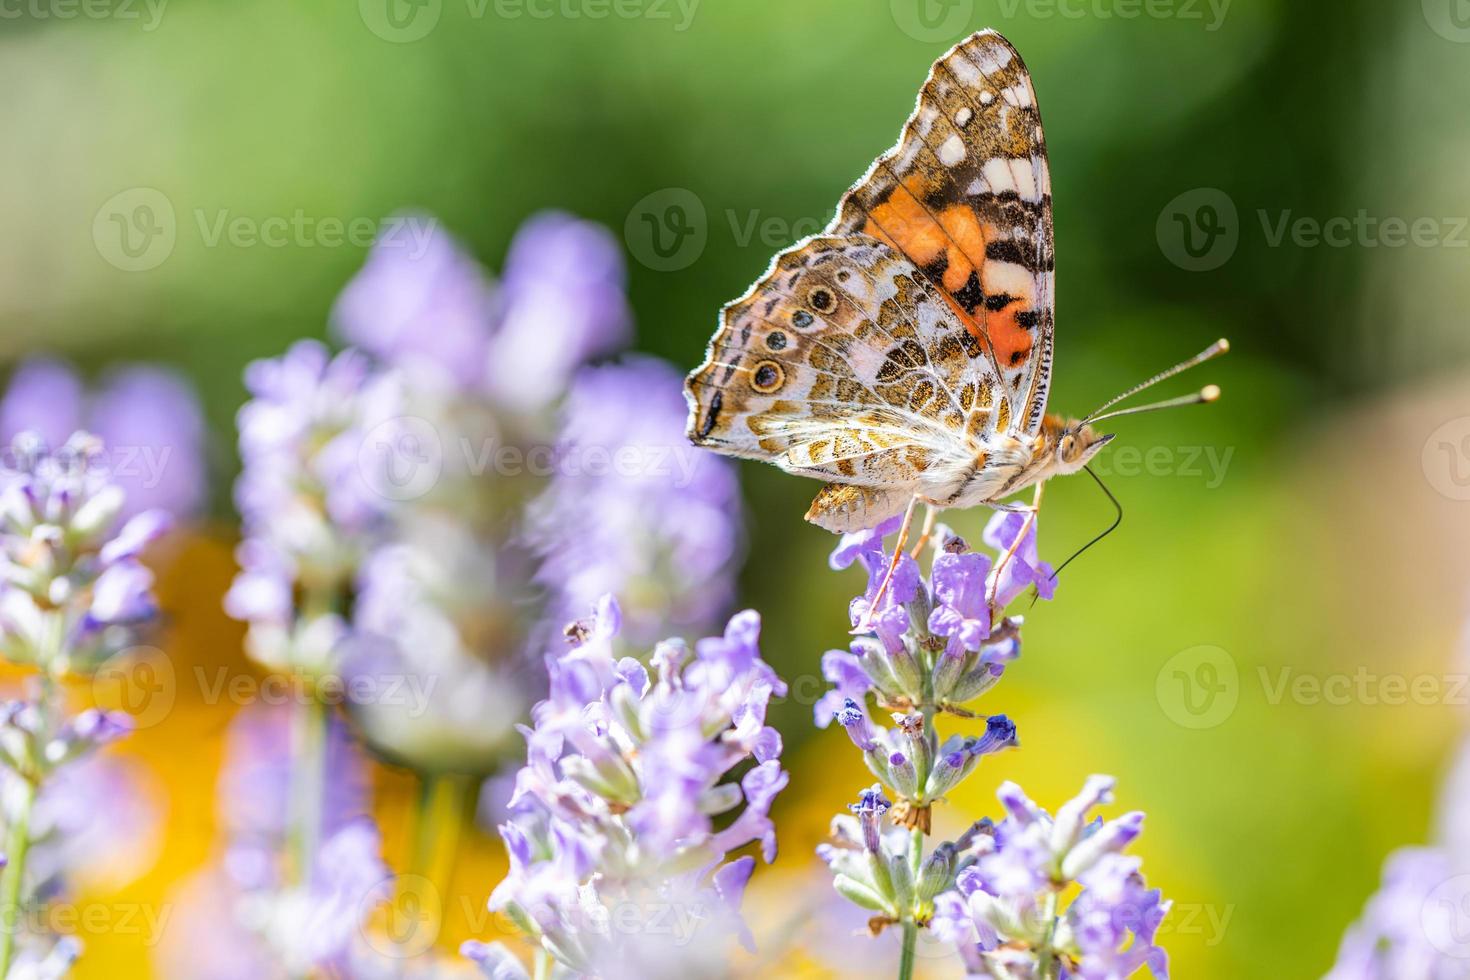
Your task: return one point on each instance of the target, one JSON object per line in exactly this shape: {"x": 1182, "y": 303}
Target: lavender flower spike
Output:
{"x": 615, "y": 807}
{"x": 1003, "y": 914}
{"x": 72, "y": 592}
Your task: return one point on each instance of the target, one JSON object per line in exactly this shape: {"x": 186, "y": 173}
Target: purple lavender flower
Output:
{"x": 962, "y": 610}
{"x": 562, "y": 305}
{"x": 1407, "y": 930}
{"x": 152, "y": 420}
{"x": 1003, "y": 908}
{"x": 149, "y": 417}
{"x": 72, "y": 584}
{"x": 308, "y": 508}
{"x": 46, "y": 397}
{"x": 1024, "y": 569}
{"x": 434, "y": 672}
{"x": 423, "y": 305}
{"x": 635, "y": 510}
{"x": 614, "y": 809}
{"x": 938, "y": 638}
{"x": 73, "y": 593}
{"x": 282, "y": 923}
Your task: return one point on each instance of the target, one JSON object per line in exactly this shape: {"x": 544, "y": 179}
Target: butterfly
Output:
{"x": 904, "y": 354}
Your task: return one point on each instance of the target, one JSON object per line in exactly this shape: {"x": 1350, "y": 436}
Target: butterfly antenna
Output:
{"x": 1111, "y": 527}
{"x": 1206, "y": 394}
{"x": 1214, "y": 350}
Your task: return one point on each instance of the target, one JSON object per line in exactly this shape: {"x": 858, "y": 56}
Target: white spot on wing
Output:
{"x": 963, "y": 117}
{"x": 997, "y": 173}
{"x": 1018, "y": 94}
{"x": 1025, "y": 178}
{"x": 965, "y": 71}
{"x": 952, "y": 150}
{"x": 987, "y": 97}
{"x": 1007, "y": 277}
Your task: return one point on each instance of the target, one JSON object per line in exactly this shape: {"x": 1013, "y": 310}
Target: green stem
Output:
{"x": 1046, "y": 958}
{"x": 18, "y": 836}
{"x": 910, "y": 923}
{"x": 910, "y": 944}
{"x": 17, "y": 844}
{"x": 308, "y": 785}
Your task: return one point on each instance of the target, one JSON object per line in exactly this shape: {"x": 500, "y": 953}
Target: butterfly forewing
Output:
{"x": 887, "y": 355}
{"x": 966, "y": 196}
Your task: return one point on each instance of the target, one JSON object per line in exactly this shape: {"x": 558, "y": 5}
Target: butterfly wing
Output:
{"x": 836, "y": 365}
{"x": 886, "y": 355}
{"x": 965, "y": 196}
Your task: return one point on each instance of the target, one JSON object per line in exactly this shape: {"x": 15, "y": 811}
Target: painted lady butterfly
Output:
{"x": 904, "y": 354}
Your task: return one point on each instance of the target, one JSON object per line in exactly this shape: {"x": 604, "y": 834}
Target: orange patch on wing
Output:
{"x": 904, "y": 223}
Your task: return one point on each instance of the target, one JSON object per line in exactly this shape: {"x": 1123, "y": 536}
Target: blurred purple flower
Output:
{"x": 255, "y": 789}
{"x": 563, "y": 303}
{"x": 148, "y": 417}
{"x": 423, "y": 305}
{"x": 1405, "y": 930}
{"x": 633, "y": 509}
{"x": 282, "y": 925}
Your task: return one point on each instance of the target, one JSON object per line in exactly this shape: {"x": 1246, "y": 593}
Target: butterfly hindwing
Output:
{"x": 844, "y": 363}
{"x": 965, "y": 195}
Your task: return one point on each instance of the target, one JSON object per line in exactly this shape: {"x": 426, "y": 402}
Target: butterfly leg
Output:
{"x": 931, "y": 516}
{"x": 1026, "y": 526}
{"x": 903, "y": 536}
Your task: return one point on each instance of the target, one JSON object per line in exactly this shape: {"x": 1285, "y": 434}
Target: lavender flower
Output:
{"x": 434, "y": 670}
{"x": 614, "y": 812}
{"x": 72, "y": 592}
{"x": 937, "y": 640}
{"x": 633, "y": 509}
{"x": 149, "y": 417}
{"x": 1414, "y": 925}
{"x": 262, "y": 913}
{"x": 1003, "y": 912}
{"x": 427, "y": 309}
{"x": 563, "y": 280}
{"x": 306, "y": 506}
{"x": 935, "y": 644}
{"x": 1404, "y": 930}
{"x": 71, "y": 583}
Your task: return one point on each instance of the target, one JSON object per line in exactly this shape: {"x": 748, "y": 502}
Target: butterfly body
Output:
{"x": 905, "y": 353}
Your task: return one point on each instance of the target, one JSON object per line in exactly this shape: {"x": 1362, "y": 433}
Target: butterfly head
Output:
{"x": 1077, "y": 443}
